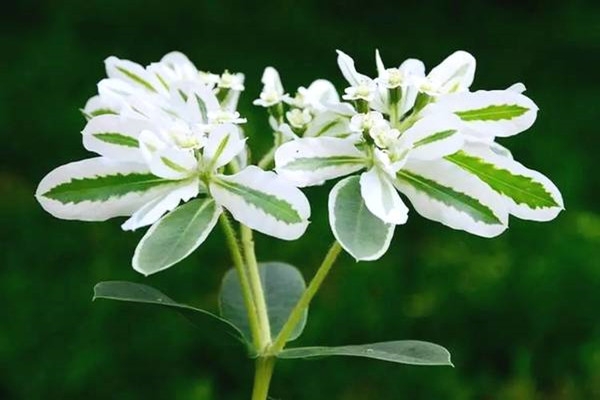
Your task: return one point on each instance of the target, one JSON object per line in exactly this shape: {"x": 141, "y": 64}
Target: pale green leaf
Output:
{"x": 138, "y": 293}
{"x": 175, "y": 236}
{"x": 359, "y": 232}
{"x": 282, "y": 285}
{"x": 410, "y": 352}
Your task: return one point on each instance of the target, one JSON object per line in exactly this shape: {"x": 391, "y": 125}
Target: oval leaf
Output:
{"x": 175, "y": 236}
{"x": 282, "y": 285}
{"x": 360, "y": 233}
{"x": 138, "y": 293}
{"x": 412, "y": 352}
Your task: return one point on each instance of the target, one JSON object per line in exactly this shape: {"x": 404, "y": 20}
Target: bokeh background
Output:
{"x": 519, "y": 313}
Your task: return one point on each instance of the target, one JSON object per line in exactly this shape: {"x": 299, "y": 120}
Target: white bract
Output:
{"x": 431, "y": 139}
{"x": 162, "y": 141}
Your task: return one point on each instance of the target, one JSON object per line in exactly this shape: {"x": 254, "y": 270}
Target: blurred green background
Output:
{"x": 519, "y": 313}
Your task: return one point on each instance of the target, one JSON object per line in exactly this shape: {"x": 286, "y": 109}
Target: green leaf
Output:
{"x": 494, "y": 112}
{"x": 410, "y": 352}
{"x": 272, "y": 205}
{"x": 283, "y": 286}
{"x": 137, "y": 293}
{"x": 450, "y": 197}
{"x": 117, "y": 138}
{"x": 360, "y": 233}
{"x": 102, "y": 188}
{"x": 521, "y": 189}
{"x": 175, "y": 236}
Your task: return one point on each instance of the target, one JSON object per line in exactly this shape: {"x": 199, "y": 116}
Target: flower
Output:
{"x": 168, "y": 140}
{"x": 440, "y": 153}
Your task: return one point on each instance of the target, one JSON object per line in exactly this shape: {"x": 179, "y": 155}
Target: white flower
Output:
{"x": 231, "y": 81}
{"x": 454, "y": 74}
{"x": 272, "y": 93}
{"x": 298, "y": 118}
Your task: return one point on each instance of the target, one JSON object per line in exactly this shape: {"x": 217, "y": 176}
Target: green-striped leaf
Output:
{"x": 97, "y": 189}
{"x": 411, "y": 352}
{"x": 175, "y": 236}
{"x": 494, "y": 112}
{"x": 282, "y": 285}
{"x": 450, "y": 197}
{"x": 103, "y": 188}
{"x": 143, "y": 294}
{"x": 117, "y": 138}
{"x": 263, "y": 201}
{"x": 531, "y": 195}
{"x": 440, "y": 191}
{"x": 136, "y": 78}
{"x": 360, "y": 233}
{"x": 435, "y": 137}
{"x": 490, "y": 113}
{"x": 311, "y": 161}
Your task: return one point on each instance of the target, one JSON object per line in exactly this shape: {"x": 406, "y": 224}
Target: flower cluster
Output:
{"x": 165, "y": 134}
{"x": 428, "y": 137}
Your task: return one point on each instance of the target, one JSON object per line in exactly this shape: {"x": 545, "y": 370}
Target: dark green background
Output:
{"x": 519, "y": 313}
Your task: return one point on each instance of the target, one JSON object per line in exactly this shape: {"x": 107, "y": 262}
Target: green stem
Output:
{"x": 307, "y": 296}
{"x": 238, "y": 261}
{"x": 262, "y": 377}
{"x": 257, "y": 291}
{"x": 265, "y": 162}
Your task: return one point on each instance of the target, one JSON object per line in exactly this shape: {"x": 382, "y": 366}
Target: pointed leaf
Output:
{"x": 530, "y": 195}
{"x": 97, "y": 189}
{"x": 443, "y": 192}
{"x": 137, "y": 293}
{"x": 263, "y": 201}
{"x": 360, "y": 233}
{"x": 283, "y": 286}
{"x": 491, "y": 113}
{"x": 175, "y": 236}
{"x": 311, "y": 161}
{"x": 410, "y": 352}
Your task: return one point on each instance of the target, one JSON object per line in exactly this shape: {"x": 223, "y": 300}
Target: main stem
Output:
{"x": 306, "y": 298}
{"x": 262, "y": 377}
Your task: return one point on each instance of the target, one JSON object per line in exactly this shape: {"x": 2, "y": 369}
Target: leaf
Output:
{"x": 410, "y": 352}
{"x": 283, "y": 286}
{"x": 440, "y": 191}
{"x": 490, "y": 113}
{"x": 311, "y": 161}
{"x": 98, "y": 188}
{"x": 138, "y": 293}
{"x": 358, "y": 231}
{"x": 263, "y": 201}
{"x": 175, "y": 236}
{"x": 530, "y": 194}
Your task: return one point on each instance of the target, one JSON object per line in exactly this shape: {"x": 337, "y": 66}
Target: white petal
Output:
{"x": 263, "y": 201}
{"x": 455, "y": 73}
{"x": 379, "y": 64}
{"x": 173, "y": 163}
{"x": 62, "y": 193}
{"x": 114, "y": 137}
{"x": 346, "y": 64}
{"x": 517, "y": 88}
{"x": 312, "y": 161}
{"x": 441, "y": 191}
{"x": 154, "y": 209}
{"x": 381, "y": 197}
{"x": 272, "y": 81}
{"x": 224, "y": 142}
